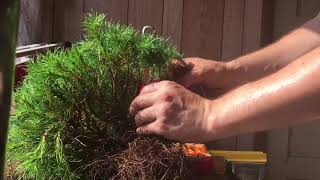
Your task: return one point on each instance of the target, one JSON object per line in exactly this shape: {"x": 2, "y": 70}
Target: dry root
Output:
{"x": 145, "y": 158}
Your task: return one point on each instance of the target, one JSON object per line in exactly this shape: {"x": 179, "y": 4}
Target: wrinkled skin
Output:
{"x": 199, "y": 72}
{"x": 270, "y": 88}
{"x": 168, "y": 109}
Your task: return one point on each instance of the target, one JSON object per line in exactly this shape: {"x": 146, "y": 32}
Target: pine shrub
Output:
{"x": 72, "y": 108}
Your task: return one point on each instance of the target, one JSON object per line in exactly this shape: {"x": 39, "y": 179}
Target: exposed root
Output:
{"x": 145, "y": 158}
{"x": 9, "y": 172}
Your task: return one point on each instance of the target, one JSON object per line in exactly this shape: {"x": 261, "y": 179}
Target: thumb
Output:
{"x": 182, "y": 72}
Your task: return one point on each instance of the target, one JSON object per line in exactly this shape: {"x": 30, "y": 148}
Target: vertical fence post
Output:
{"x": 9, "y": 19}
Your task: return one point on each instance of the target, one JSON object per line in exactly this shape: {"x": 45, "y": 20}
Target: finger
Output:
{"x": 152, "y": 87}
{"x": 145, "y": 116}
{"x": 141, "y": 102}
{"x": 152, "y": 128}
{"x": 182, "y": 74}
{"x": 179, "y": 69}
{"x": 182, "y": 63}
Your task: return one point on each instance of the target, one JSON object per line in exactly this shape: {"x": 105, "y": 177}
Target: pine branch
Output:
{"x": 72, "y": 107}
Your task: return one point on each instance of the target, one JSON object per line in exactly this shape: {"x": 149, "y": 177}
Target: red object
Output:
{"x": 21, "y": 72}
{"x": 203, "y": 164}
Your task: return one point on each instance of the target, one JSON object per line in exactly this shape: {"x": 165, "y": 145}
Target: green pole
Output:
{"x": 9, "y": 19}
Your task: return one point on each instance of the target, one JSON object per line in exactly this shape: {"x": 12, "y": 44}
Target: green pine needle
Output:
{"x": 73, "y": 105}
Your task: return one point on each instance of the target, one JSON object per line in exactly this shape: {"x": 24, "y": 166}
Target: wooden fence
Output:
{"x": 213, "y": 29}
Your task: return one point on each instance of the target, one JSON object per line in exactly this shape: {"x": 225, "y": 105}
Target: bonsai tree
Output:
{"x": 72, "y": 119}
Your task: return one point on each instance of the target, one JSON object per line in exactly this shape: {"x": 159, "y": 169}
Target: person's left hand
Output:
{"x": 168, "y": 109}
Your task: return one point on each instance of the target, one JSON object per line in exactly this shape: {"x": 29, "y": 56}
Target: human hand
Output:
{"x": 166, "y": 108}
{"x": 207, "y": 73}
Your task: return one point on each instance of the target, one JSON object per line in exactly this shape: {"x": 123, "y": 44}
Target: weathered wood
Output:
{"x": 116, "y": 10}
{"x": 46, "y": 20}
{"x": 36, "y": 49}
{"x": 35, "y": 21}
{"x": 285, "y": 17}
{"x": 67, "y": 20}
{"x": 232, "y": 29}
{"x": 172, "y": 21}
{"x": 146, "y": 12}
{"x": 267, "y": 20}
{"x": 202, "y": 28}
{"x": 302, "y": 168}
{"x": 304, "y": 141}
{"x": 307, "y": 9}
{"x": 277, "y": 153}
{"x": 252, "y": 26}
{"x": 290, "y": 14}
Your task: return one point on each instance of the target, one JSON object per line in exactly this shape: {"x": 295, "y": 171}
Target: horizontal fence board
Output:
{"x": 218, "y": 30}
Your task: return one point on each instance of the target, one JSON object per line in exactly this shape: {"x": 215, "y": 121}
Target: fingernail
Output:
{"x": 138, "y": 130}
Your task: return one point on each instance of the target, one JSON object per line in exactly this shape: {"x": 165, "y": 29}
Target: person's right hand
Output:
{"x": 206, "y": 73}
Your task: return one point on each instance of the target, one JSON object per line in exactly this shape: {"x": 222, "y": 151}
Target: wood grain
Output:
{"x": 302, "y": 169}
{"x": 202, "y": 28}
{"x": 267, "y": 25}
{"x": 146, "y": 12}
{"x": 252, "y": 26}
{"x": 307, "y": 9}
{"x": 67, "y": 20}
{"x": 285, "y": 20}
{"x": 47, "y": 20}
{"x": 232, "y": 29}
{"x": 35, "y": 22}
{"x": 290, "y": 14}
{"x": 277, "y": 153}
{"x": 116, "y": 10}
{"x": 172, "y": 21}
{"x": 304, "y": 140}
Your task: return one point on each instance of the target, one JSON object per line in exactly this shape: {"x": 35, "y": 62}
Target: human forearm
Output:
{"x": 274, "y": 57}
{"x": 287, "y": 97}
